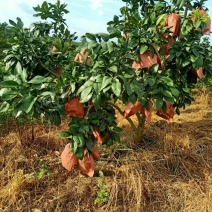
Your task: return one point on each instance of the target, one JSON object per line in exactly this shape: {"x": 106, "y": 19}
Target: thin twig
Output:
{"x": 43, "y": 64}
{"x": 89, "y": 108}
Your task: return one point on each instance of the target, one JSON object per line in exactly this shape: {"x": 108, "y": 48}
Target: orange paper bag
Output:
{"x": 98, "y": 136}
{"x": 86, "y": 165}
{"x": 57, "y": 71}
{"x": 198, "y": 72}
{"x": 95, "y": 154}
{"x": 69, "y": 159}
{"x": 169, "y": 112}
{"x": 145, "y": 60}
{"x": 74, "y": 108}
{"x": 132, "y": 109}
{"x": 173, "y": 21}
{"x": 207, "y": 29}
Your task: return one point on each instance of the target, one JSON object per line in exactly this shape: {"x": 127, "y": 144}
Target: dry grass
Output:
{"x": 170, "y": 171}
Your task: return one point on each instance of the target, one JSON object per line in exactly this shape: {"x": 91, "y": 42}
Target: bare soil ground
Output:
{"x": 170, "y": 171}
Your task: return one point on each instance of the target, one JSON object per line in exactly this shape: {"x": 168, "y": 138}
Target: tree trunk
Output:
{"x": 139, "y": 131}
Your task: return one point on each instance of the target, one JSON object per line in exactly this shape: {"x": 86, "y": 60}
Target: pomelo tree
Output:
{"x": 149, "y": 59}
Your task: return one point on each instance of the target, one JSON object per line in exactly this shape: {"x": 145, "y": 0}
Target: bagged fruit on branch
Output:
{"x": 169, "y": 112}
{"x": 198, "y": 72}
{"x": 173, "y": 21}
{"x": 69, "y": 159}
{"x": 86, "y": 165}
{"x": 100, "y": 139}
{"x": 74, "y": 108}
{"x": 95, "y": 154}
{"x": 146, "y": 60}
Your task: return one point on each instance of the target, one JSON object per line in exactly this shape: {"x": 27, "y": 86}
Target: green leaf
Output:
{"x": 102, "y": 127}
{"x": 186, "y": 90}
{"x": 178, "y": 62}
{"x": 178, "y": 111}
{"x": 117, "y": 129}
{"x": 20, "y": 23}
{"x": 152, "y": 51}
{"x": 130, "y": 89}
{"x": 116, "y": 137}
{"x": 110, "y": 46}
{"x": 116, "y": 88}
{"x": 96, "y": 101}
{"x": 80, "y": 153}
{"x": 134, "y": 42}
{"x": 115, "y": 18}
{"x": 4, "y": 91}
{"x": 133, "y": 98}
{"x": 56, "y": 119}
{"x": 84, "y": 86}
{"x": 104, "y": 45}
{"x": 90, "y": 36}
{"x": 138, "y": 90}
{"x": 86, "y": 98}
{"x": 197, "y": 23}
{"x": 28, "y": 103}
{"x": 143, "y": 48}
{"x": 9, "y": 84}
{"x": 24, "y": 75}
{"x": 193, "y": 58}
{"x": 18, "y": 68}
{"x": 86, "y": 92}
{"x": 9, "y": 94}
{"x": 74, "y": 146}
{"x": 64, "y": 134}
{"x": 199, "y": 62}
{"x": 181, "y": 4}
{"x": 89, "y": 144}
{"x": 151, "y": 81}
{"x": 167, "y": 81}
{"x": 97, "y": 87}
{"x": 175, "y": 92}
{"x": 170, "y": 58}
{"x": 38, "y": 80}
{"x": 17, "y": 109}
{"x": 167, "y": 93}
{"x": 12, "y": 23}
{"x": 4, "y": 107}
{"x": 161, "y": 19}
{"x": 196, "y": 53}
{"x": 155, "y": 91}
{"x": 164, "y": 107}
{"x": 113, "y": 32}
{"x": 186, "y": 63}
{"x": 106, "y": 89}
{"x": 152, "y": 16}
{"x": 104, "y": 36}
{"x": 105, "y": 82}
{"x": 49, "y": 93}
{"x": 114, "y": 69}
{"x": 159, "y": 103}
{"x": 143, "y": 102}
{"x": 170, "y": 100}
{"x": 79, "y": 139}
{"x": 92, "y": 44}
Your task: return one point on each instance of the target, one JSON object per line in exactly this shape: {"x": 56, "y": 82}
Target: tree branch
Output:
{"x": 120, "y": 111}
{"x": 186, "y": 11}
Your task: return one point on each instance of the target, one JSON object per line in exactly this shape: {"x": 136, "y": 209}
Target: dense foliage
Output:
{"x": 41, "y": 75}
